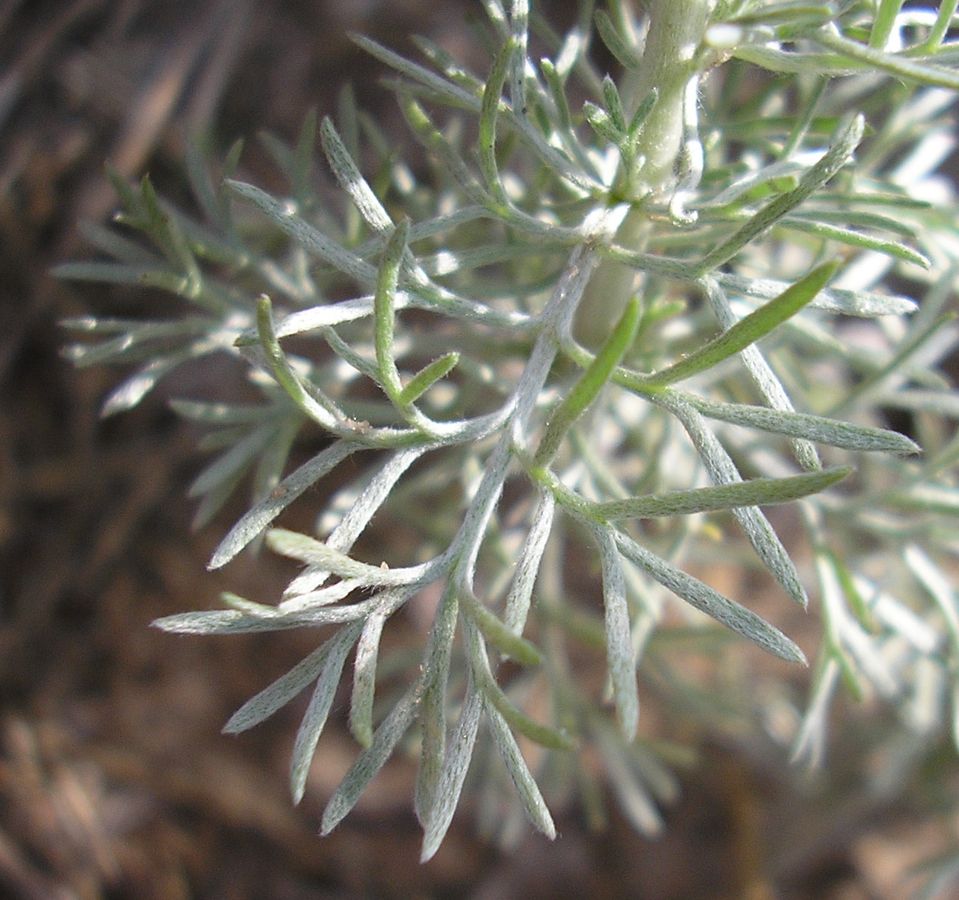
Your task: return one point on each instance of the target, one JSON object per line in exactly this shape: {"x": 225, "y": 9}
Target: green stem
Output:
{"x": 676, "y": 29}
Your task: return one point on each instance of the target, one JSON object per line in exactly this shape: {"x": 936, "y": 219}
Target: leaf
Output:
{"x": 722, "y": 470}
{"x": 893, "y": 64}
{"x": 529, "y": 793}
{"x": 432, "y": 710}
{"x": 362, "y": 507}
{"x": 530, "y": 556}
{"x": 383, "y": 311}
{"x": 316, "y": 713}
{"x": 624, "y": 54}
{"x": 434, "y": 141}
{"x": 753, "y": 492}
{"x": 820, "y": 429}
{"x": 620, "y": 655}
{"x": 498, "y": 634}
{"x": 302, "y": 168}
{"x": 745, "y": 332}
{"x": 584, "y": 392}
{"x": 519, "y": 31}
{"x": 856, "y": 239}
{"x": 628, "y": 788}
{"x": 455, "y": 766}
{"x": 351, "y": 180}
{"x": 451, "y": 94}
{"x": 839, "y": 300}
{"x": 308, "y": 550}
{"x": 309, "y": 238}
{"x": 237, "y": 621}
{"x": 264, "y": 704}
{"x": 761, "y": 373}
{"x": 218, "y": 413}
{"x": 233, "y": 461}
{"x": 602, "y": 123}
{"x": 133, "y": 389}
{"x": 556, "y": 85}
{"x": 197, "y": 171}
{"x": 371, "y": 760}
{"x": 307, "y": 397}
{"x": 704, "y": 598}
{"x": 643, "y": 109}
{"x": 423, "y": 380}
{"x": 291, "y": 487}
{"x": 222, "y": 621}
{"x": 814, "y": 178}
{"x": 555, "y": 739}
{"x": 614, "y": 104}
{"x": 115, "y": 245}
{"x": 364, "y": 679}
{"x": 489, "y": 109}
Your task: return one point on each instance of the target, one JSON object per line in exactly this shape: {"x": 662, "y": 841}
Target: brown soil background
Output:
{"x": 114, "y": 779}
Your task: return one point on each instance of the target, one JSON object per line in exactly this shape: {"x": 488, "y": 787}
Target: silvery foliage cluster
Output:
{"x": 537, "y": 350}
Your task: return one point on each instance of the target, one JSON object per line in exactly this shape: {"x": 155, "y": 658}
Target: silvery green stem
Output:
{"x": 676, "y": 29}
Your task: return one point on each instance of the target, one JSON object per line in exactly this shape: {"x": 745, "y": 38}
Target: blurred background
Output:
{"x": 114, "y": 778}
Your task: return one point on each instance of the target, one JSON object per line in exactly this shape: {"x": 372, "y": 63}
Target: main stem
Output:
{"x": 676, "y": 29}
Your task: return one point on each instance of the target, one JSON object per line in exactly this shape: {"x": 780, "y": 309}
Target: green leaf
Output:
{"x": 433, "y": 140}
{"x": 857, "y": 239}
{"x": 819, "y": 429}
{"x": 643, "y": 109}
{"x": 492, "y": 94}
{"x": 310, "y": 399}
{"x": 947, "y": 9}
{"x": 814, "y": 178}
{"x": 753, "y": 492}
{"x": 625, "y": 55}
{"x": 584, "y": 392}
{"x": 498, "y": 634}
{"x": 614, "y": 104}
{"x": 555, "y": 739}
{"x": 383, "y": 311}
{"x": 494, "y": 696}
{"x": 423, "y": 380}
{"x": 884, "y": 22}
{"x": 744, "y": 333}
{"x": 893, "y": 64}
{"x": 557, "y": 88}
{"x": 602, "y": 123}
